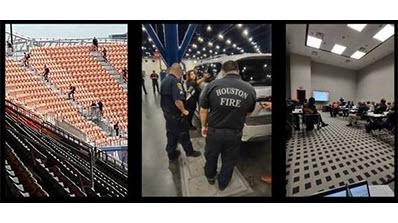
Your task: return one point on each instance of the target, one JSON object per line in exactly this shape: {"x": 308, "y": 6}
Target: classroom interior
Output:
{"x": 335, "y": 62}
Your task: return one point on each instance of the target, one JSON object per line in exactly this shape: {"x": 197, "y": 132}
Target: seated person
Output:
{"x": 310, "y": 109}
{"x": 389, "y": 124}
{"x": 294, "y": 119}
{"x": 347, "y": 108}
{"x": 362, "y": 108}
{"x": 335, "y": 109}
{"x": 381, "y": 107}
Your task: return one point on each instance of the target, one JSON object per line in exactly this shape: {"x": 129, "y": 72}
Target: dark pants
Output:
{"x": 71, "y": 94}
{"x": 155, "y": 84}
{"x": 177, "y": 128}
{"x": 191, "y": 107}
{"x": 143, "y": 86}
{"x": 224, "y": 142}
{"x": 334, "y": 112}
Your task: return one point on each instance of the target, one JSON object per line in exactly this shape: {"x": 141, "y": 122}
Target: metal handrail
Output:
{"x": 101, "y": 155}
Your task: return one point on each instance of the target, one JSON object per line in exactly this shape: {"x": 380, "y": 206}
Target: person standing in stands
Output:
{"x": 104, "y": 51}
{"x": 143, "y": 82}
{"x": 362, "y": 109}
{"x": 95, "y": 44}
{"x": 172, "y": 103}
{"x": 224, "y": 105}
{"x": 116, "y": 128}
{"x": 155, "y": 83}
{"x": 72, "y": 90}
{"x": 46, "y": 73}
{"x": 310, "y": 108}
{"x": 9, "y": 49}
{"x": 193, "y": 93}
{"x": 101, "y": 107}
{"x": 124, "y": 73}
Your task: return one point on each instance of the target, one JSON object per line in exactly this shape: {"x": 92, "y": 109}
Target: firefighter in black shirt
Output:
{"x": 224, "y": 103}
{"x": 172, "y": 102}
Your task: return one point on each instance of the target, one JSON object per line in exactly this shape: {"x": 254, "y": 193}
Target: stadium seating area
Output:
{"x": 76, "y": 65}
{"x": 116, "y": 55}
{"x": 31, "y": 92}
{"x": 42, "y": 163}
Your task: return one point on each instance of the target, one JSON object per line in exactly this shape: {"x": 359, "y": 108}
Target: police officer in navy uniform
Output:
{"x": 172, "y": 103}
{"x": 224, "y": 103}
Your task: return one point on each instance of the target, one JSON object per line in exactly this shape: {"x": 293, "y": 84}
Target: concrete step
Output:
{"x": 110, "y": 69}
{"x": 84, "y": 112}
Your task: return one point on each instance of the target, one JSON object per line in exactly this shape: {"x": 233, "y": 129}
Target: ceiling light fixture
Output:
{"x": 358, "y": 55}
{"x": 357, "y": 27}
{"x": 314, "y": 42}
{"x": 338, "y": 49}
{"x": 220, "y": 36}
{"x": 385, "y": 33}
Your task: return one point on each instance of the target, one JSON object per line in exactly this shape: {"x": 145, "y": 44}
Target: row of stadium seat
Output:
{"x": 116, "y": 55}
{"x": 53, "y": 167}
{"x": 92, "y": 81}
{"x": 35, "y": 95}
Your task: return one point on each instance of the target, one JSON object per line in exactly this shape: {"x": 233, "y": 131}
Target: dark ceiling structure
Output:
{"x": 211, "y": 40}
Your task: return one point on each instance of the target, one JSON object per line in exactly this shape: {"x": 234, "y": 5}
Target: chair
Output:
{"x": 312, "y": 119}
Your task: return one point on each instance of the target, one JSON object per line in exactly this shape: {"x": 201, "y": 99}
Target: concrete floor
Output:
{"x": 161, "y": 178}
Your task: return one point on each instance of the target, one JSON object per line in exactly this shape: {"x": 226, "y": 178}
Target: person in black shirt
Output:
{"x": 310, "y": 108}
{"x": 155, "y": 83}
{"x": 95, "y": 43}
{"x": 193, "y": 93}
{"x": 46, "y": 73}
{"x": 380, "y": 108}
{"x": 104, "y": 51}
{"x": 362, "y": 108}
{"x": 172, "y": 103}
{"x": 224, "y": 103}
{"x": 100, "y": 106}
{"x": 72, "y": 89}
{"x": 390, "y": 124}
{"x": 124, "y": 73}
{"x": 9, "y": 49}
{"x": 116, "y": 128}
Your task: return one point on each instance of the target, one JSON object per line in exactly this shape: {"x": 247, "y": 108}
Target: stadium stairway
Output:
{"x": 103, "y": 123}
{"x": 42, "y": 163}
{"x": 110, "y": 69}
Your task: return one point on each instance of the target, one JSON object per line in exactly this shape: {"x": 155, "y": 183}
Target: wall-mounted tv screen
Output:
{"x": 320, "y": 95}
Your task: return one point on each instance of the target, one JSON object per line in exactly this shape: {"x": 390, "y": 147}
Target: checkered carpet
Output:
{"x": 336, "y": 155}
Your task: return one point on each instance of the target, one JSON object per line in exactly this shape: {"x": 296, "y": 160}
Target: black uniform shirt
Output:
{"x": 171, "y": 90}
{"x": 229, "y": 100}
{"x": 154, "y": 77}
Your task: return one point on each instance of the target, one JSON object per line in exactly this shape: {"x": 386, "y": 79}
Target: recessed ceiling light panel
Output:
{"x": 357, "y": 27}
{"x": 358, "y": 55}
{"x": 338, "y": 49}
{"x": 385, "y": 33}
{"x": 313, "y": 42}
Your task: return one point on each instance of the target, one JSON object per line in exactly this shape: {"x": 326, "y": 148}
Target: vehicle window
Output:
{"x": 214, "y": 69}
{"x": 256, "y": 71}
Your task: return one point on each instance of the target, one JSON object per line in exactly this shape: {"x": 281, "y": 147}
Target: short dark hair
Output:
{"x": 230, "y": 65}
{"x": 311, "y": 100}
